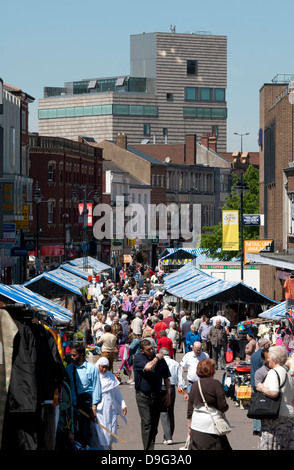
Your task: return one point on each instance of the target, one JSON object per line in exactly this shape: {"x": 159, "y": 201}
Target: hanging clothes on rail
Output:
{"x": 8, "y": 330}
{"x": 37, "y": 371}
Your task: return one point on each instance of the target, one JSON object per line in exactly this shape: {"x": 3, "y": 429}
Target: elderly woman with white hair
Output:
{"x": 111, "y": 405}
{"x": 278, "y": 434}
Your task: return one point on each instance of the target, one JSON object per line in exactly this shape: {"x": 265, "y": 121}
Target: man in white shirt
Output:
{"x": 137, "y": 325}
{"x": 176, "y": 379}
{"x": 190, "y": 362}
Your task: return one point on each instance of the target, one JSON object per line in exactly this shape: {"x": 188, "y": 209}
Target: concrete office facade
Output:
{"x": 177, "y": 86}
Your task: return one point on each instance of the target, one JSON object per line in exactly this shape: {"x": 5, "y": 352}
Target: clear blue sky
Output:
{"x": 49, "y": 43}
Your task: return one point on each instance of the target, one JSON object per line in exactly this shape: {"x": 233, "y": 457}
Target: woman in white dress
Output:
{"x": 111, "y": 405}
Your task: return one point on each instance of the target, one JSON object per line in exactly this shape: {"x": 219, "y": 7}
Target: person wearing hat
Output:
{"x": 111, "y": 405}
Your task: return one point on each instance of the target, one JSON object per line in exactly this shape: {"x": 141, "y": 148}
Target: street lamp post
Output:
{"x": 241, "y": 188}
{"x": 241, "y": 135}
{"x": 37, "y": 199}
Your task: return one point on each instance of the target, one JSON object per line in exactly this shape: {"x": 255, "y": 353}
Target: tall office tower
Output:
{"x": 177, "y": 86}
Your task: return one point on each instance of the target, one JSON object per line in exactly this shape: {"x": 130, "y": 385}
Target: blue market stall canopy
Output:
{"x": 97, "y": 266}
{"x": 21, "y": 295}
{"x": 193, "y": 285}
{"x": 74, "y": 270}
{"x": 57, "y": 282}
{"x": 277, "y": 312}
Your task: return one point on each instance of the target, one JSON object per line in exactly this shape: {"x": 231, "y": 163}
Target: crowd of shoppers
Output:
{"x": 132, "y": 323}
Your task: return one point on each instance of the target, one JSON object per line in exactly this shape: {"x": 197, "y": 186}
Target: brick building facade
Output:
{"x": 58, "y": 167}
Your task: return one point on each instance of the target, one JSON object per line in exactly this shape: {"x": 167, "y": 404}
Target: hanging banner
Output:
{"x": 230, "y": 230}
{"x": 257, "y": 246}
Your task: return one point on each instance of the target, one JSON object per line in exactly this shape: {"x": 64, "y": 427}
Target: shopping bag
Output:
{"x": 229, "y": 355}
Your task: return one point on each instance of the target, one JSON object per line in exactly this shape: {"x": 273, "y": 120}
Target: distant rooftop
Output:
{"x": 119, "y": 84}
{"x": 283, "y": 78}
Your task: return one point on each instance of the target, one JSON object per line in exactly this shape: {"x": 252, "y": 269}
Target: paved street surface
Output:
{"x": 241, "y": 437}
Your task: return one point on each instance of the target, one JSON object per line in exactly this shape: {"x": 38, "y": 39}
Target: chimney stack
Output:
{"x": 121, "y": 140}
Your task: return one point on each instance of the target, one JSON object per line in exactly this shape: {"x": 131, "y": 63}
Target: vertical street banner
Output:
{"x": 230, "y": 230}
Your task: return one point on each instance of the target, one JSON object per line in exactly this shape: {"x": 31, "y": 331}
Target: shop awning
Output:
{"x": 184, "y": 274}
{"x": 277, "y": 312}
{"x": 97, "y": 266}
{"x": 20, "y": 295}
{"x": 56, "y": 282}
{"x": 74, "y": 270}
{"x": 193, "y": 285}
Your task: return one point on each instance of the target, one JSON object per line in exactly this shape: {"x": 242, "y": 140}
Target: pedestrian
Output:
{"x": 200, "y": 424}
{"x": 125, "y": 328}
{"x": 98, "y": 328}
{"x": 186, "y": 327}
{"x": 204, "y": 330}
{"x": 148, "y": 335}
{"x": 278, "y": 434}
{"x": 165, "y": 342}
{"x": 218, "y": 338}
{"x": 108, "y": 345}
{"x": 137, "y": 325}
{"x": 86, "y": 393}
{"x": 250, "y": 346}
{"x": 256, "y": 363}
{"x": 111, "y": 405}
{"x": 173, "y": 335}
{"x": 191, "y": 337}
{"x": 167, "y": 415}
{"x": 220, "y": 317}
{"x": 124, "y": 353}
{"x": 190, "y": 361}
{"x": 159, "y": 326}
{"x": 149, "y": 372}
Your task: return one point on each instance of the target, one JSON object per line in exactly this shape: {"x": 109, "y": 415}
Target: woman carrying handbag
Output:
{"x": 278, "y": 433}
{"x": 206, "y": 407}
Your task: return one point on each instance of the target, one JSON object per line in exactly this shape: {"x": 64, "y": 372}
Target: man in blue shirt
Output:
{"x": 86, "y": 392}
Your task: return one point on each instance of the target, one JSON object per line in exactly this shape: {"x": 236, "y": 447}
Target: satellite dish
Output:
{"x": 167, "y": 160}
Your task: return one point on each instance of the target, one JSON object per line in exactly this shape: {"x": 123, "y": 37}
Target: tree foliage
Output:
{"x": 211, "y": 238}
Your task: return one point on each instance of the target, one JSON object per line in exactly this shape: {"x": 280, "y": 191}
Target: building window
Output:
{"x": 190, "y": 112}
{"x": 192, "y": 67}
{"x": 50, "y": 212}
{"x": 220, "y": 94}
{"x": 146, "y": 129}
{"x": 191, "y": 93}
{"x": 51, "y": 167}
{"x": 169, "y": 97}
{"x": 165, "y": 132}
{"x": 205, "y": 94}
